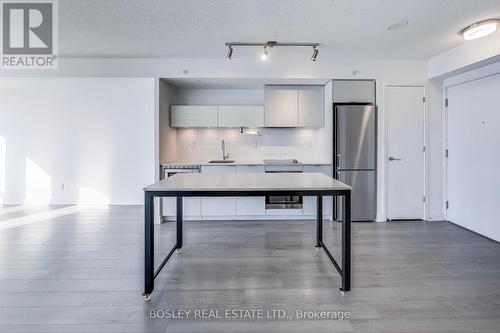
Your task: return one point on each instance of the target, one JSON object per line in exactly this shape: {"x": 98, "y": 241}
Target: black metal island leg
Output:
{"x": 148, "y": 245}
{"x": 178, "y": 245}
{"x": 345, "y": 270}
{"x": 346, "y": 244}
{"x": 149, "y": 272}
{"x": 319, "y": 222}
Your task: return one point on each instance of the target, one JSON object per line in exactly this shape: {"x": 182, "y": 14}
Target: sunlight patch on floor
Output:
{"x": 44, "y": 216}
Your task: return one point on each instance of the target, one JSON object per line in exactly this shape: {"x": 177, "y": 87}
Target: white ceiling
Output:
{"x": 199, "y": 28}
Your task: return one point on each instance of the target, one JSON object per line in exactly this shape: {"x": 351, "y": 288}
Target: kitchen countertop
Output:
{"x": 241, "y": 162}
{"x": 308, "y": 181}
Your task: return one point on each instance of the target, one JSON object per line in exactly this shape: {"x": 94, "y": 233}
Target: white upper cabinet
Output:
{"x": 294, "y": 106}
{"x": 241, "y": 116}
{"x": 193, "y": 116}
{"x": 281, "y": 106}
{"x": 311, "y": 106}
{"x": 354, "y": 91}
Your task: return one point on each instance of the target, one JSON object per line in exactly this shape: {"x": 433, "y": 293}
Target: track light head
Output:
{"x": 229, "y": 52}
{"x": 315, "y": 53}
{"x": 264, "y": 54}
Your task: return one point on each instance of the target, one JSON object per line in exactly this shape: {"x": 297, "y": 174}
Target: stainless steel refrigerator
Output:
{"x": 355, "y": 150}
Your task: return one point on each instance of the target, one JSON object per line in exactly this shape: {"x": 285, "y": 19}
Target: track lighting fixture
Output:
{"x": 269, "y": 44}
{"x": 264, "y": 54}
{"x": 315, "y": 53}
{"x": 229, "y": 52}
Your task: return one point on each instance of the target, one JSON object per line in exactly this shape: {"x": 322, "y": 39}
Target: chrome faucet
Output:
{"x": 225, "y": 155}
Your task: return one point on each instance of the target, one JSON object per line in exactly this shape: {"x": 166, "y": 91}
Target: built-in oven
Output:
{"x": 284, "y": 201}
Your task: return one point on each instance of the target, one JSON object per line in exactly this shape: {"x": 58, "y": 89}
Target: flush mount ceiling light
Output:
{"x": 397, "y": 25}
{"x": 269, "y": 44}
{"x": 480, "y": 29}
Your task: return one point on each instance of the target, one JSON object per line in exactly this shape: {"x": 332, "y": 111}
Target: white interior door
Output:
{"x": 405, "y": 152}
{"x": 473, "y": 141}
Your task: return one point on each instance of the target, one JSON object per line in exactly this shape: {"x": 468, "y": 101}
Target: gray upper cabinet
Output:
{"x": 311, "y": 106}
{"x": 193, "y": 116}
{"x": 217, "y": 116}
{"x": 294, "y": 106}
{"x": 280, "y": 106}
{"x": 354, "y": 91}
{"x": 241, "y": 116}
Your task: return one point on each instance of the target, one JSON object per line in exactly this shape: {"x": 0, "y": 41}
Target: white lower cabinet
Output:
{"x": 251, "y": 206}
{"x": 310, "y": 202}
{"x": 214, "y": 206}
{"x": 310, "y": 205}
{"x": 218, "y": 206}
{"x": 208, "y": 207}
{"x": 190, "y": 206}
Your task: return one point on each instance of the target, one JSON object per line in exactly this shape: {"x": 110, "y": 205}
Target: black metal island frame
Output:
{"x": 246, "y": 184}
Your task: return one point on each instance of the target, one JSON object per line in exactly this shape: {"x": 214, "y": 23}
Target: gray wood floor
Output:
{"x": 81, "y": 271}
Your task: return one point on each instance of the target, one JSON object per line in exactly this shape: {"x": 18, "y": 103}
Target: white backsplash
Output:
{"x": 300, "y": 143}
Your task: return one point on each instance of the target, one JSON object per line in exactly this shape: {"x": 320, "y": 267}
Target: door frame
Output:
{"x": 424, "y": 144}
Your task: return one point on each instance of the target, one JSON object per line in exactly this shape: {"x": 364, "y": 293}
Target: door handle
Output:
{"x": 394, "y": 159}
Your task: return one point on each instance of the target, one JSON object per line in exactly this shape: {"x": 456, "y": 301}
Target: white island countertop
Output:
{"x": 249, "y": 181}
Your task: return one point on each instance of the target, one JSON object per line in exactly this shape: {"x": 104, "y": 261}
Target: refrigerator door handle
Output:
{"x": 394, "y": 159}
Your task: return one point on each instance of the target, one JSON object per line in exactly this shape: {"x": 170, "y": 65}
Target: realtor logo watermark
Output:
{"x": 29, "y": 34}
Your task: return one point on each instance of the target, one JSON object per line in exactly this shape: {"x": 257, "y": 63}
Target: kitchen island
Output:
{"x": 246, "y": 184}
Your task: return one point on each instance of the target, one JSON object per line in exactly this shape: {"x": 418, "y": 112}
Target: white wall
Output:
{"x": 168, "y": 95}
{"x": 468, "y": 56}
{"x": 435, "y": 150}
{"x": 76, "y": 140}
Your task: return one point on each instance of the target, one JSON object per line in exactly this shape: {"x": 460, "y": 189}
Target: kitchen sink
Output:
{"x": 221, "y": 161}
